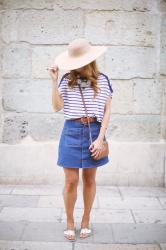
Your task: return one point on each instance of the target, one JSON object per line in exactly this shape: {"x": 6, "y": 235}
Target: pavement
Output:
{"x": 32, "y": 217}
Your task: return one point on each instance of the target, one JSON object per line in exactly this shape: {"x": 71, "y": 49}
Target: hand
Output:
{"x": 53, "y": 70}
{"x": 96, "y": 147}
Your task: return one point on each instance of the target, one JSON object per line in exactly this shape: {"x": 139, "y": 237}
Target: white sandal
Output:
{"x": 69, "y": 232}
{"x": 86, "y": 231}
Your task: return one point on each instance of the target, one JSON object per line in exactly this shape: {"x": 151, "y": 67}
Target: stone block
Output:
{"x": 163, "y": 45}
{"x": 134, "y": 127}
{"x": 123, "y": 90}
{"x": 39, "y": 127}
{"x": 108, "y": 5}
{"x": 136, "y": 159}
{"x": 27, "y": 95}
{"x": 138, "y": 29}
{"x": 147, "y": 96}
{"x": 32, "y": 162}
{"x": 128, "y": 62}
{"x": 9, "y": 30}
{"x": 17, "y": 61}
{"x": 25, "y": 4}
{"x": 42, "y": 58}
{"x": 50, "y": 27}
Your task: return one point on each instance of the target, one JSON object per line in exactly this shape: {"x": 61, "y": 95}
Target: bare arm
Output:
{"x": 106, "y": 118}
{"x": 57, "y": 100}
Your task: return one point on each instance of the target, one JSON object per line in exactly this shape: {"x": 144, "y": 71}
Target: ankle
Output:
{"x": 70, "y": 224}
{"x": 85, "y": 221}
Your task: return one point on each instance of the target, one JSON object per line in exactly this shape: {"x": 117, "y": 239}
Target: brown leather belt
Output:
{"x": 85, "y": 119}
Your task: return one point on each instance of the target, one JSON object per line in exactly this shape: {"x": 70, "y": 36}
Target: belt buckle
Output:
{"x": 83, "y": 121}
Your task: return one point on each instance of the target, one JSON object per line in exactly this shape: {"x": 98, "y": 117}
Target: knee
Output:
{"x": 89, "y": 181}
{"x": 71, "y": 184}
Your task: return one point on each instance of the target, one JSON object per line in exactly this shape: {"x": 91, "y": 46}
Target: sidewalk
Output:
{"x": 122, "y": 218}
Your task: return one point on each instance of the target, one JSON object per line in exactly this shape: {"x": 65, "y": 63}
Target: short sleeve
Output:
{"x": 109, "y": 88}
{"x": 62, "y": 85}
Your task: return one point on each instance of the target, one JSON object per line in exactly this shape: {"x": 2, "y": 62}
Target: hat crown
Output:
{"x": 78, "y": 47}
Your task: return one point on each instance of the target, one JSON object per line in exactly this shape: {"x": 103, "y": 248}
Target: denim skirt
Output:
{"x": 73, "y": 148}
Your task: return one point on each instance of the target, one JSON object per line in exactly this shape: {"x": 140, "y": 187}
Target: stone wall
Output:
{"x": 34, "y": 32}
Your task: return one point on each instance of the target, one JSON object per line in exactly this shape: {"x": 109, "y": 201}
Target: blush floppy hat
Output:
{"x": 79, "y": 53}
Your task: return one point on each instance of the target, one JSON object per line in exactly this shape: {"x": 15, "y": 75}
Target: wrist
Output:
{"x": 101, "y": 138}
{"x": 54, "y": 84}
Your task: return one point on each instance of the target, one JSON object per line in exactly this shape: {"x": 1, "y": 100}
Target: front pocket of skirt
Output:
{"x": 94, "y": 133}
{"x": 73, "y": 137}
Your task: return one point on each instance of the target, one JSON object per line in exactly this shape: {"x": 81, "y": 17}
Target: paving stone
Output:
{"x": 142, "y": 191}
{"x": 18, "y": 201}
{"x": 6, "y": 189}
{"x": 107, "y": 191}
{"x": 129, "y": 203}
{"x": 163, "y": 246}
{"x": 30, "y": 214}
{"x": 102, "y": 232}
{"x": 39, "y": 189}
{"x": 163, "y": 202}
{"x": 34, "y": 245}
{"x": 43, "y": 231}
{"x": 11, "y": 230}
{"x": 57, "y": 201}
{"x": 104, "y": 215}
{"x": 139, "y": 233}
{"x": 79, "y": 246}
{"x": 150, "y": 216}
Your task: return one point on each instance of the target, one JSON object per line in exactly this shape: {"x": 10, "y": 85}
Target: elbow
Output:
{"x": 57, "y": 109}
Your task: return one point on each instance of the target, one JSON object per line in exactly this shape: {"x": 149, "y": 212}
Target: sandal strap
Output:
{"x": 85, "y": 230}
{"x": 69, "y": 232}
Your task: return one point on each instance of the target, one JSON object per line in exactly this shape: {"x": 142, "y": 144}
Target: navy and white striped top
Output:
{"x": 73, "y": 105}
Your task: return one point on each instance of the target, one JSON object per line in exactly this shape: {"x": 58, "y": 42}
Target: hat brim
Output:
{"x": 66, "y": 62}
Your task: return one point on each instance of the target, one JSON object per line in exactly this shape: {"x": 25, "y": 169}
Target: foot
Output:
{"x": 70, "y": 234}
{"x": 85, "y": 232}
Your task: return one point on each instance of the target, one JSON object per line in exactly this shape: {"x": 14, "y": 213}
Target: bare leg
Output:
{"x": 70, "y": 194}
{"x": 89, "y": 192}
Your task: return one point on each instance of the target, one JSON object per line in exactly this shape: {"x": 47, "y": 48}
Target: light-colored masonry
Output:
{"x": 32, "y": 34}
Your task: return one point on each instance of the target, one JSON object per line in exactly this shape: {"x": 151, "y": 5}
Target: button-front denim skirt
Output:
{"x": 73, "y": 149}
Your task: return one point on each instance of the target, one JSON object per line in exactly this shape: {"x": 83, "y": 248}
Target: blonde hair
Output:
{"x": 90, "y": 71}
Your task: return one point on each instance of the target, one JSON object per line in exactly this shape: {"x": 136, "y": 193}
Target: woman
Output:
{"x": 75, "y": 145}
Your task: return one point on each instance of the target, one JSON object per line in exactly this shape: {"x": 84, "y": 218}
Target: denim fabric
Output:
{"x": 73, "y": 149}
